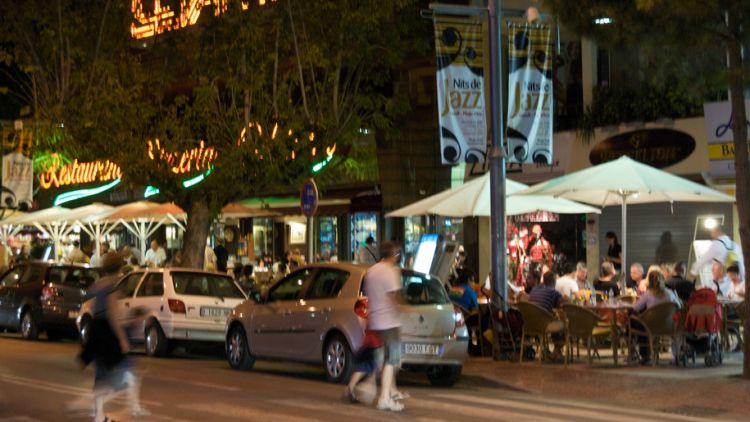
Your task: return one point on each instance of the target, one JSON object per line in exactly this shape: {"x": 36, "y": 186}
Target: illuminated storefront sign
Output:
{"x": 79, "y": 173}
{"x": 195, "y": 159}
{"x": 156, "y": 19}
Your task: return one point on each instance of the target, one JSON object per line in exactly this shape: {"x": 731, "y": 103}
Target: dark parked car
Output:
{"x": 41, "y": 296}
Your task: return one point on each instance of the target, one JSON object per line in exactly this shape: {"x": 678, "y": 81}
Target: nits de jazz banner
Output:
{"x": 17, "y": 173}
{"x": 460, "y": 89}
{"x": 530, "y": 81}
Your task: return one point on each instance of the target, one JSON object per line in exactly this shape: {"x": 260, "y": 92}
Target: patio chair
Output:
{"x": 734, "y": 322}
{"x": 583, "y": 324}
{"x": 655, "y": 323}
{"x": 539, "y": 323}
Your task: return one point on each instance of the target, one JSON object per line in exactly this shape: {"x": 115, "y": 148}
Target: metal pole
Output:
{"x": 623, "y": 267}
{"x": 497, "y": 162}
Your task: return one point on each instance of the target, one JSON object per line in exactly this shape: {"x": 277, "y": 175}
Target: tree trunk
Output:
{"x": 741, "y": 164}
{"x": 196, "y": 232}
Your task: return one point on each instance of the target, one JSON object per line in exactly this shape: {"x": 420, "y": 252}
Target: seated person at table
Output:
{"x": 643, "y": 285}
{"x": 548, "y": 298}
{"x": 737, "y": 289}
{"x": 637, "y": 276}
{"x": 606, "y": 281}
{"x": 679, "y": 284}
{"x": 532, "y": 279}
{"x": 462, "y": 293}
{"x": 656, "y": 293}
{"x": 719, "y": 281}
{"x": 567, "y": 285}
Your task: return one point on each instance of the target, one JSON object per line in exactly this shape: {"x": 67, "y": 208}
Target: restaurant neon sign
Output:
{"x": 58, "y": 175}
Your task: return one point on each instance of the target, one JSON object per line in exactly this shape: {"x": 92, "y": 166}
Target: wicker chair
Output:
{"x": 583, "y": 324}
{"x": 735, "y": 323}
{"x": 657, "y": 322}
{"x": 539, "y": 323}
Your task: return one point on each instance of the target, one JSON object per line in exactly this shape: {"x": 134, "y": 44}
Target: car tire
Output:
{"x": 238, "y": 350}
{"x": 338, "y": 359}
{"x": 84, "y": 330}
{"x": 155, "y": 341}
{"x": 29, "y": 328}
{"x": 444, "y": 375}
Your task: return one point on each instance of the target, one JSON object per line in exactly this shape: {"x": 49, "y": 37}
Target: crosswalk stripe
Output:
{"x": 575, "y": 408}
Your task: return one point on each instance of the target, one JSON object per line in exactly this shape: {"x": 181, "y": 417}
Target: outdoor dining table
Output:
{"x": 727, "y": 304}
{"x": 612, "y": 307}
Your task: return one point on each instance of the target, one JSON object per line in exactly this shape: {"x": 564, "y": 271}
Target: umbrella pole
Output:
{"x": 623, "y": 266}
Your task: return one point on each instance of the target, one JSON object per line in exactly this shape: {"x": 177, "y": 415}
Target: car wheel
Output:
{"x": 238, "y": 350}
{"x": 338, "y": 359}
{"x": 156, "y": 341}
{"x": 443, "y": 375}
{"x": 84, "y": 331}
{"x": 29, "y": 329}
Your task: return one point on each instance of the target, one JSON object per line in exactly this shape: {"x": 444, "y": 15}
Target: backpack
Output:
{"x": 732, "y": 257}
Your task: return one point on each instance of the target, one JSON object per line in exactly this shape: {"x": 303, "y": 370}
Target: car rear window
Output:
{"x": 423, "y": 290}
{"x": 197, "y": 284}
{"x": 73, "y": 277}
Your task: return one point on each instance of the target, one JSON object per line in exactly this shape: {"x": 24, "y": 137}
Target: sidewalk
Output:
{"x": 716, "y": 393}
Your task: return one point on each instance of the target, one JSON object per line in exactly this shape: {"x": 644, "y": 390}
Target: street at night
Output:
{"x": 41, "y": 381}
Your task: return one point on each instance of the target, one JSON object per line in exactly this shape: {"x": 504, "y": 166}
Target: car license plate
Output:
{"x": 421, "y": 349}
{"x": 212, "y": 312}
{"x": 72, "y": 314}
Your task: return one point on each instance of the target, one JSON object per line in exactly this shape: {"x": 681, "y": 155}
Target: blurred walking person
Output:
{"x": 107, "y": 344}
{"x": 383, "y": 291}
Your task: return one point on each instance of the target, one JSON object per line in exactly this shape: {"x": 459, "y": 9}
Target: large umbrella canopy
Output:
{"x": 47, "y": 215}
{"x": 626, "y": 181}
{"x": 81, "y": 213}
{"x": 473, "y": 199}
{"x": 607, "y": 184}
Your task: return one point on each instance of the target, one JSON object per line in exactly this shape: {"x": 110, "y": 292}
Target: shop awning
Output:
{"x": 237, "y": 210}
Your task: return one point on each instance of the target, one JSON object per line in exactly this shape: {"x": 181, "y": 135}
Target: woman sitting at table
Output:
{"x": 657, "y": 293}
{"x": 606, "y": 281}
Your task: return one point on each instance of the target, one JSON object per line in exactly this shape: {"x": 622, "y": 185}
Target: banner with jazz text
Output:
{"x": 18, "y": 173}
{"x": 460, "y": 89}
{"x": 530, "y": 100}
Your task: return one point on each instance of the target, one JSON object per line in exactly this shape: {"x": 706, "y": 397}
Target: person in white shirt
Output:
{"x": 156, "y": 256}
{"x": 737, "y": 288}
{"x": 567, "y": 285}
{"x": 582, "y": 273}
{"x": 96, "y": 257}
{"x": 718, "y": 251}
{"x": 719, "y": 282}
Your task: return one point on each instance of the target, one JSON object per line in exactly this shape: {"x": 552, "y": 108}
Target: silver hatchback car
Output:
{"x": 317, "y": 314}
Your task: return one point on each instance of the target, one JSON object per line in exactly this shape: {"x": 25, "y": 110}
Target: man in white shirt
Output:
{"x": 719, "y": 282}
{"x": 155, "y": 256}
{"x": 567, "y": 285}
{"x": 718, "y": 251}
{"x": 97, "y": 257}
{"x": 582, "y": 273}
{"x": 383, "y": 290}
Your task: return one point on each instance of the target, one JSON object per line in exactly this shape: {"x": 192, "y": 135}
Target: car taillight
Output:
{"x": 176, "y": 306}
{"x": 360, "y": 308}
{"x": 48, "y": 293}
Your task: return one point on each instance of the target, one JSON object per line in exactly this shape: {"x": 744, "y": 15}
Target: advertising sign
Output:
{"x": 658, "y": 148}
{"x": 460, "y": 90}
{"x": 18, "y": 173}
{"x": 721, "y": 138}
{"x": 530, "y": 99}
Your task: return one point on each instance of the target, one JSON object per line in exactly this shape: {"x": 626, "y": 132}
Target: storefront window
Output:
{"x": 328, "y": 238}
{"x": 262, "y": 236}
{"x": 414, "y": 228}
{"x": 451, "y": 228}
{"x": 363, "y": 225}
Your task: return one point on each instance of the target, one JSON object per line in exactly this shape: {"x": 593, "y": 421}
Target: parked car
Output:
{"x": 180, "y": 305}
{"x": 39, "y": 296}
{"x": 316, "y": 314}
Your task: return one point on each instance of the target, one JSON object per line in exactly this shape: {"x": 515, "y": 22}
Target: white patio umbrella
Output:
{"x": 625, "y": 181}
{"x": 48, "y": 221}
{"x": 7, "y": 226}
{"x": 473, "y": 199}
{"x": 97, "y": 229}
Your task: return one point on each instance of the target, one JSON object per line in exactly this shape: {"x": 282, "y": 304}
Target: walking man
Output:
{"x": 383, "y": 291}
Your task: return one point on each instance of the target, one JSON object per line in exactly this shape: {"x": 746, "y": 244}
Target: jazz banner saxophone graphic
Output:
{"x": 460, "y": 89}
{"x": 530, "y": 80}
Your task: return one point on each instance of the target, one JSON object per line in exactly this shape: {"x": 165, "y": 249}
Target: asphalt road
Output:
{"x": 41, "y": 381}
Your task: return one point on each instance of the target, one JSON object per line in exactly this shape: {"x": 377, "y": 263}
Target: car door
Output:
{"x": 272, "y": 326}
{"x": 126, "y": 290}
{"x": 321, "y": 302}
{"x": 8, "y": 288}
{"x": 149, "y": 297}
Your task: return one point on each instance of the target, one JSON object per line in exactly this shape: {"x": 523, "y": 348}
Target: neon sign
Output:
{"x": 78, "y": 173}
{"x": 84, "y": 193}
{"x": 150, "y": 21}
{"x": 194, "y": 159}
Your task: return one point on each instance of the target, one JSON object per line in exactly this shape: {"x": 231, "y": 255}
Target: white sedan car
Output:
{"x": 179, "y": 304}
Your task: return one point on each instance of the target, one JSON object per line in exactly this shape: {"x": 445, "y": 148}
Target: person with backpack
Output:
{"x": 722, "y": 250}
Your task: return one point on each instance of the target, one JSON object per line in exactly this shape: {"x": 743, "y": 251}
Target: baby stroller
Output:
{"x": 702, "y": 327}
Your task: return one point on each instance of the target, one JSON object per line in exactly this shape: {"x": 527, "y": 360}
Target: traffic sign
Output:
{"x": 309, "y": 198}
